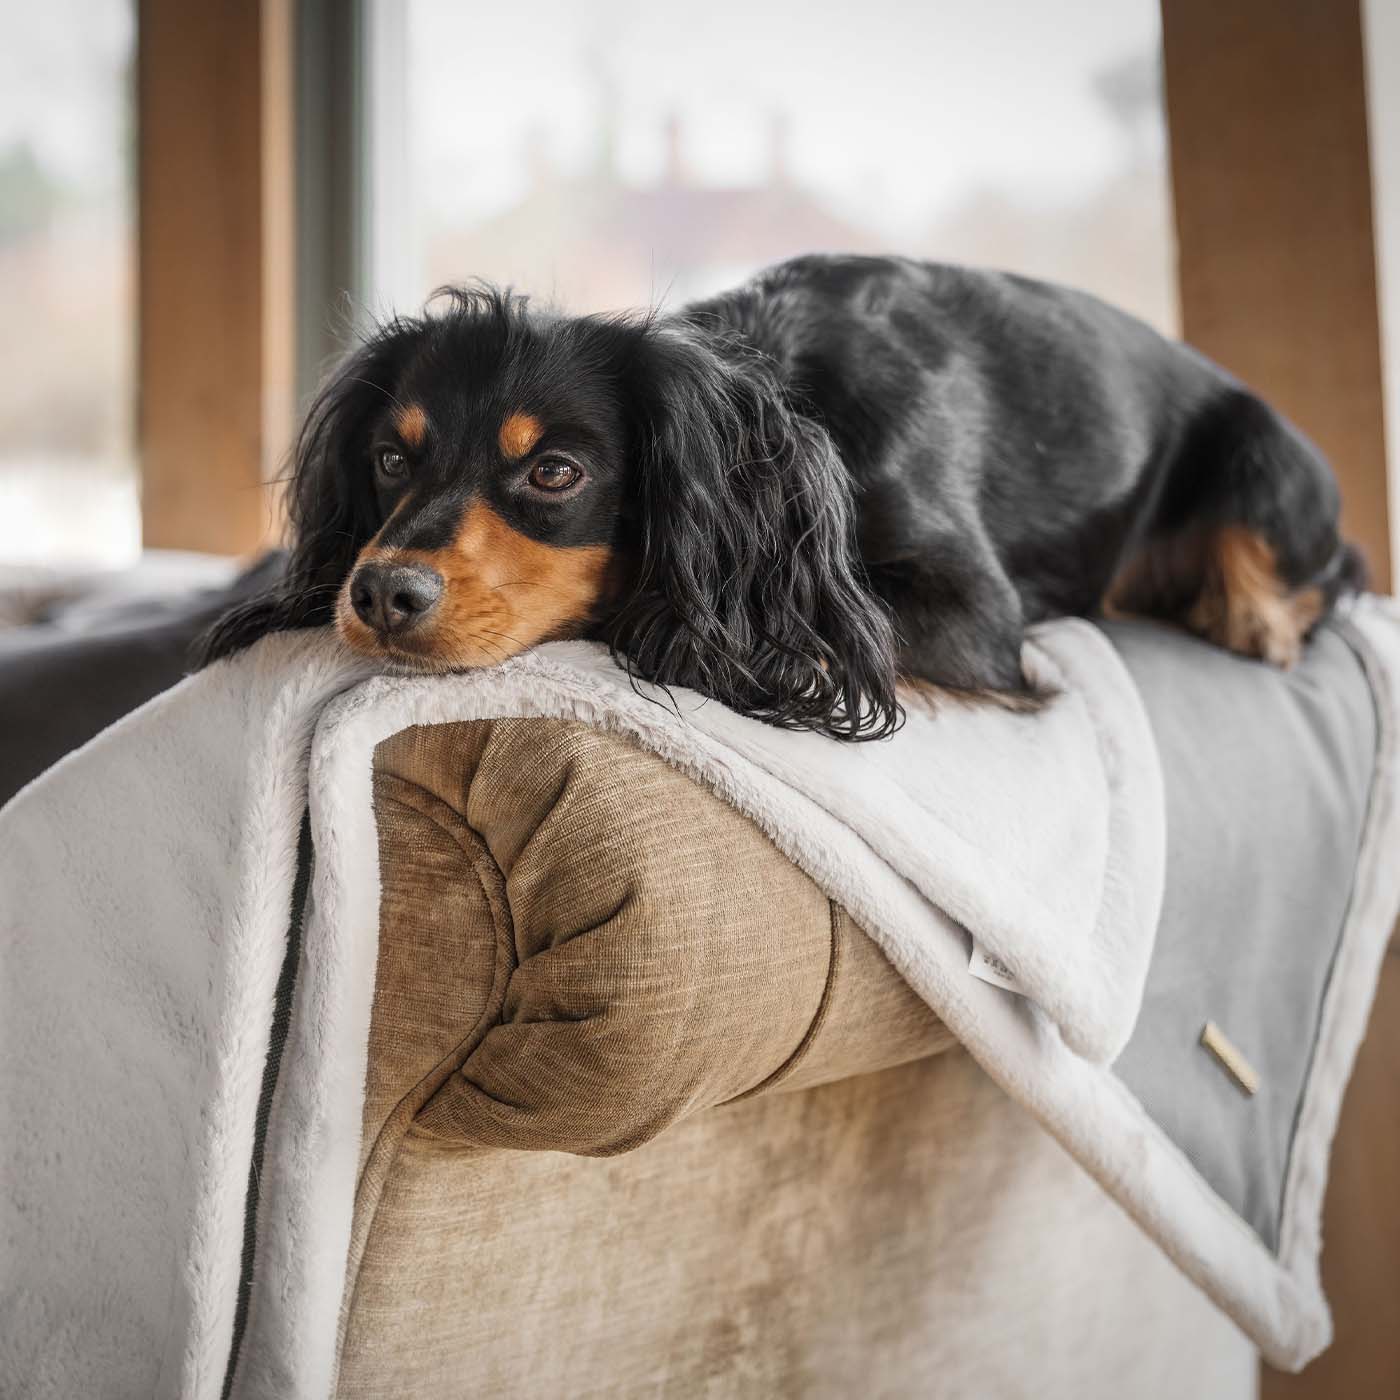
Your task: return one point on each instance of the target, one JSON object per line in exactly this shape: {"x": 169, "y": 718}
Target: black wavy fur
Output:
{"x": 847, "y": 471}
{"x": 331, "y": 510}
{"x": 746, "y": 587}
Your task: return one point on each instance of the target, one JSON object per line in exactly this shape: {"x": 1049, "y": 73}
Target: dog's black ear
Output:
{"x": 748, "y": 586}
{"x": 331, "y": 510}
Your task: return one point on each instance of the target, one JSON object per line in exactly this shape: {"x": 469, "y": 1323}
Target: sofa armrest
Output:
{"x": 579, "y": 945}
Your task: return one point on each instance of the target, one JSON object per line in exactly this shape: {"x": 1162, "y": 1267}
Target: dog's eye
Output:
{"x": 554, "y": 474}
{"x": 391, "y": 464}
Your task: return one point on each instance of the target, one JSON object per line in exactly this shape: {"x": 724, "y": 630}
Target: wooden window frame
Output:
{"x": 251, "y": 251}
{"x": 1271, "y": 178}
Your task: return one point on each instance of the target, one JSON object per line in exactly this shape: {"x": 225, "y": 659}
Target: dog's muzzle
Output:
{"x": 394, "y": 598}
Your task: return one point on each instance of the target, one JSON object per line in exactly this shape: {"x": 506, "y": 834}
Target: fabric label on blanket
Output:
{"x": 987, "y": 967}
{"x": 1266, "y": 789}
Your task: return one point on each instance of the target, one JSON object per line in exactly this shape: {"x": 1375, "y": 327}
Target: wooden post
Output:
{"x": 1266, "y": 107}
{"x": 215, "y": 146}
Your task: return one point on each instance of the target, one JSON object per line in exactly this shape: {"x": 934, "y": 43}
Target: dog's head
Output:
{"x": 482, "y": 479}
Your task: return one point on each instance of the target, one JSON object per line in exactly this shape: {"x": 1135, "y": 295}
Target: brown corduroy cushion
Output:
{"x": 632, "y": 947}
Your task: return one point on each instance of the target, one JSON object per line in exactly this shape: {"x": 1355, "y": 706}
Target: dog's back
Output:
{"x": 1021, "y": 450}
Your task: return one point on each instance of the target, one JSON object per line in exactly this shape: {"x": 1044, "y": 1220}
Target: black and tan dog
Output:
{"x": 847, "y": 473}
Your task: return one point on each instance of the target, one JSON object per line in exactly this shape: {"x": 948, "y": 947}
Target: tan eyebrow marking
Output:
{"x": 412, "y": 424}
{"x": 519, "y": 433}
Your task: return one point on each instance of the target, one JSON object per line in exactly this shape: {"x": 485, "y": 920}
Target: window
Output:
{"x": 603, "y": 155}
{"x": 68, "y": 486}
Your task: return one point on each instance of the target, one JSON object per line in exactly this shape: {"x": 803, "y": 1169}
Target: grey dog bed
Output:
{"x": 1268, "y": 782}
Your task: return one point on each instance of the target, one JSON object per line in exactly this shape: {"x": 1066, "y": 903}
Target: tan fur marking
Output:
{"x": 504, "y": 593}
{"x": 1224, "y": 587}
{"x": 1244, "y": 606}
{"x": 411, "y": 424}
{"x": 519, "y": 433}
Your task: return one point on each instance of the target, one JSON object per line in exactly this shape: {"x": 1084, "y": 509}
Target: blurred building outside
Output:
{"x": 595, "y": 241}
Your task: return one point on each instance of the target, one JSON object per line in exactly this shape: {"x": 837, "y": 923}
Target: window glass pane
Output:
{"x": 605, "y": 154}
{"x": 68, "y": 487}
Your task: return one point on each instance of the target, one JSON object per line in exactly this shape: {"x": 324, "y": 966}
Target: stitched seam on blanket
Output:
{"x": 1346, "y": 929}
{"x": 1378, "y": 677}
{"x": 1229, "y": 1218}
{"x": 277, "y": 1041}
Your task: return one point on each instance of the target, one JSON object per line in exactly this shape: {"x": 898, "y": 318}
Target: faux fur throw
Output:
{"x": 147, "y": 884}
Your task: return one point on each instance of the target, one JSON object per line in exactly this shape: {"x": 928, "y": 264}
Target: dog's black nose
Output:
{"x": 394, "y": 597}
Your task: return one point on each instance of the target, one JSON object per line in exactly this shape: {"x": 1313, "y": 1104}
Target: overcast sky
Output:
{"x": 895, "y": 105}
{"x": 62, "y": 84}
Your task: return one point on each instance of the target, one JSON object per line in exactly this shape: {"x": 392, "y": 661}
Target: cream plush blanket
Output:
{"x": 152, "y": 900}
